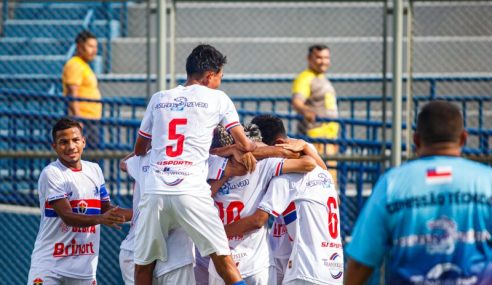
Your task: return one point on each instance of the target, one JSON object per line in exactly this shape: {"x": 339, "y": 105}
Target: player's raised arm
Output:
{"x": 240, "y": 138}
{"x": 247, "y": 224}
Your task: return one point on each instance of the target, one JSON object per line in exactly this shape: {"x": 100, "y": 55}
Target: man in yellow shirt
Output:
{"x": 313, "y": 97}
{"x": 79, "y": 81}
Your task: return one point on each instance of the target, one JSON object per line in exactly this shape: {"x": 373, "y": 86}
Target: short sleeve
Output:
{"x": 132, "y": 166}
{"x": 103, "y": 192}
{"x": 51, "y": 185}
{"x": 301, "y": 88}
{"x": 147, "y": 121}
{"x": 278, "y": 196}
{"x": 228, "y": 113}
{"x": 216, "y": 167}
{"x": 273, "y": 167}
{"x": 72, "y": 73}
{"x": 372, "y": 222}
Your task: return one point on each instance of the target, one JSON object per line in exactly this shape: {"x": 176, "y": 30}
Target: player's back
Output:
{"x": 180, "y": 123}
{"x": 439, "y": 220}
{"x": 240, "y": 197}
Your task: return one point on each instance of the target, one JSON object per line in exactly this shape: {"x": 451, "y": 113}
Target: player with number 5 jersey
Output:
{"x": 178, "y": 126}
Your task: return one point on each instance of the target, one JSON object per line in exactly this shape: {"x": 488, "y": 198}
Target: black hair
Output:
{"x": 63, "y": 124}
{"x": 204, "y": 58}
{"x": 439, "y": 121}
{"x": 271, "y": 128}
{"x": 83, "y": 36}
{"x": 317, "y": 47}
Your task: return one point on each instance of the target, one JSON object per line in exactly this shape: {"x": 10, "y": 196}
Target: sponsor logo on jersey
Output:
{"x": 73, "y": 249}
{"x": 145, "y": 168}
{"x": 180, "y": 103}
{"x": 90, "y": 230}
{"x": 278, "y": 230}
{"x": 96, "y": 191}
{"x": 439, "y": 175}
{"x": 37, "y": 281}
{"x": 227, "y": 187}
{"x": 336, "y": 265}
{"x": 324, "y": 180}
{"x": 94, "y": 282}
{"x": 331, "y": 244}
{"x": 175, "y": 162}
{"x": 444, "y": 273}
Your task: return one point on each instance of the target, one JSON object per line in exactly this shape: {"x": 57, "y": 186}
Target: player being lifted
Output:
{"x": 178, "y": 126}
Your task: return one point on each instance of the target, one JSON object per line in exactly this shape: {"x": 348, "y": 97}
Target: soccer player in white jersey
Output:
{"x": 309, "y": 203}
{"x": 73, "y": 201}
{"x": 274, "y": 133}
{"x": 178, "y": 269}
{"x": 239, "y": 196}
{"x": 178, "y": 127}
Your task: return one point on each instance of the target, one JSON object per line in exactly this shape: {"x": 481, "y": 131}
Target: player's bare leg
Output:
{"x": 224, "y": 264}
{"x": 144, "y": 274}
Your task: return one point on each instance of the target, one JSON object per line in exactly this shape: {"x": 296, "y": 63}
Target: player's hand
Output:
{"x": 123, "y": 166}
{"x": 309, "y": 116}
{"x": 112, "y": 218}
{"x": 289, "y": 154}
{"x": 249, "y": 161}
{"x": 293, "y": 145}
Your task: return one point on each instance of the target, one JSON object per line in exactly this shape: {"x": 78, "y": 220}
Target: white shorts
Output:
{"x": 179, "y": 276}
{"x": 265, "y": 277}
{"x": 47, "y": 277}
{"x": 161, "y": 213}
{"x": 127, "y": 266}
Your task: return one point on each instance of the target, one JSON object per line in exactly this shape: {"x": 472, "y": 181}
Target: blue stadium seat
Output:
{"x": 58, "y": 29}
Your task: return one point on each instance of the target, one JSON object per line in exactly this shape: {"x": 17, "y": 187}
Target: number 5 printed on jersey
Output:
{"x": 173, "y": 135}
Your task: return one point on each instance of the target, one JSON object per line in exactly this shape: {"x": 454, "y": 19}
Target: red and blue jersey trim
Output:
{"x": 144, "y": 134}
{"x": 84, "y": 207}
{"x": 278, "y": 169}
{"x": 231, "y": 125}
{"x": 290, "y": 214}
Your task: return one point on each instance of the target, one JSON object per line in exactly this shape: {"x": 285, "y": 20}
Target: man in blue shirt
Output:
{"x": 431, "y": 217}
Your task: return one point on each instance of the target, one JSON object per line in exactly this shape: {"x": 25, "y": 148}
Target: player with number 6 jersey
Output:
{"x": 309, "y": 204}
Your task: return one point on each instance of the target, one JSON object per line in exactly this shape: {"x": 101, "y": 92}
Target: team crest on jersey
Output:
{"x": 324, "y": 180}
{"x": 82, "y": 207}
{"x": 37, "y": 281}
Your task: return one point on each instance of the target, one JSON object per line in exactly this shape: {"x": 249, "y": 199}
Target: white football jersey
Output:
{"x": 313, "y": 223}
{"x": 280, "y": 241}
{"x": 69, "y": 251}
{"x": 240, "y": 197}
{"x": 180, "y": 123}
{"x": 180, "y": 246}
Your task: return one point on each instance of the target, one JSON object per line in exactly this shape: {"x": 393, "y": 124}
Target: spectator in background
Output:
{"x": 431, "y": 217}
{"x": 79, "y": 81}
{"x": 313, "y": 97}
